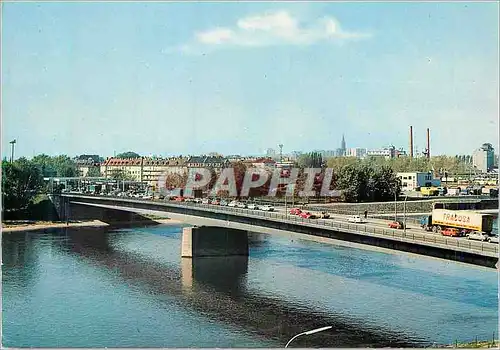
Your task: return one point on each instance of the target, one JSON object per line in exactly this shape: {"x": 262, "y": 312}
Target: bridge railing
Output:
{"x": 330, "y": 224}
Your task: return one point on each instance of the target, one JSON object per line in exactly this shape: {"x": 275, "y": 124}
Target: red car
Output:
{"x": 453, "y": 232}
{"x": 295, "y": 211}
{"x": 307, "y": 215}
{"x": 397, "y": 225}
{"x": 179, "y": 199}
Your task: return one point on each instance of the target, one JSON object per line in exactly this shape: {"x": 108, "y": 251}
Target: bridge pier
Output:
{"x": 213, "y": 241}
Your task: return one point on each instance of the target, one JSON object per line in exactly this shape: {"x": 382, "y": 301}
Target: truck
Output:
{"x": 465, "y": 220}
{"x": 429, "y": 191}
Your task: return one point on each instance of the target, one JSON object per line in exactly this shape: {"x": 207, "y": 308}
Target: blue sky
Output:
{"x": 238, "y": 78}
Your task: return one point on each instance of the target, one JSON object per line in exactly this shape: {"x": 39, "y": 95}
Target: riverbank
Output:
{"x": 475, "y": 345}
{"x": 28, "y": 225}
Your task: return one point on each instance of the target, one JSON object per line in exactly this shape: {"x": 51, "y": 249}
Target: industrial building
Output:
{"x": 413, "y": 180}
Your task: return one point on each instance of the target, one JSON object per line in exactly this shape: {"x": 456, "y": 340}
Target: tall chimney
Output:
{"x": 411, "y": 141}
{"x": 428, "y": 144}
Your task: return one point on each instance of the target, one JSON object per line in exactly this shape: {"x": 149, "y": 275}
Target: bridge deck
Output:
{"x": 370, "y": 230}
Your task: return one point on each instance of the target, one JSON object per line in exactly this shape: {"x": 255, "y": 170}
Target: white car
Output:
{"x": 241, "y": 205}
{"x": 356, "y": 219}
{"x": 205, "y": 201}
{"x": 493, "y": 239}
{"x": 267, "y": 208}
{"x": 478, "y": 236}
{"x": 253, "y": 206}
{"x": 148, "y": 196}
{"x": 232, "y": 204}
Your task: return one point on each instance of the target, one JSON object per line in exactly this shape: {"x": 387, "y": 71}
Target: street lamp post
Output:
{"x": 406, "y": 197}
{"x": 13, "y": 143}
{"x": 395, "y": 206}
{"x": 308, "y": 333}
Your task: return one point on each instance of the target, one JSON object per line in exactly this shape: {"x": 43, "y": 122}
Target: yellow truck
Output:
{"x": 465, "y": 220}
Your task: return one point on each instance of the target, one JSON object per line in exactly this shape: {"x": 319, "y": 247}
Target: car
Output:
{"x": 267, "y": 208}
{"x": 478, "y": 236}
{"x": 397, "y": 225}
{"x": 493, "y": 239}
{"x": 205, "y": 201}
{"x": 357, "y": 219}
{"x": 148, "y": 196}
{"x": 452, "y": 232}
{"x": 295, "y": 211}
{"x": 224, "y": 203}
{"x": 197, "y": 200}
{"x": 324, "y": 215}
{"x": 215, "y": 202}
{"x": 307, "y": 215}
{"x": 179, "y": 199}
{"x": 232, "y": 204}
{"x": 253, "y": 206}
{"x": 241, "y": 205}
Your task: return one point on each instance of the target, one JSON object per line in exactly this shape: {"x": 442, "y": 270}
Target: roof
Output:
{"x": 172, "y": 161}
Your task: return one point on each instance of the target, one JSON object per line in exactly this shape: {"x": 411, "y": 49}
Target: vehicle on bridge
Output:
{"x": 397, "y": 225}
{"x": 478, "y": 236}
{"x": 267, "y": 208}
{"x": 465, "y": 221}
{"x": 356, "y": 219}
{"x": 307, "y": 215}
{"x": 295, "y": 211}
{"x": 253, "y": 206}
{"x": 452, "y": 232}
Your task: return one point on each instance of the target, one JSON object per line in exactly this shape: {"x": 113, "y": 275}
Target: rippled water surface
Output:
{"x": 130, "y": 288}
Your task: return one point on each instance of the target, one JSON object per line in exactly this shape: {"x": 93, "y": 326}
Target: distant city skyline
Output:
{"x": 194, "y": 78}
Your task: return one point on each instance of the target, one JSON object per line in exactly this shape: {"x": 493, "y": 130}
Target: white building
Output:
{"x": 384, "y": 152}
{"x": 484, "y": 158}
{"x": 411, "y": 181}
{"x": 355, "y": 152}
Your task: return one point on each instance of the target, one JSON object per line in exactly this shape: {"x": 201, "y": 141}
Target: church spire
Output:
{"x": 342, "y": 144}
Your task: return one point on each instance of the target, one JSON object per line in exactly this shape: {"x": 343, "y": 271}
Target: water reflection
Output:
{"x": 147, "y": 261}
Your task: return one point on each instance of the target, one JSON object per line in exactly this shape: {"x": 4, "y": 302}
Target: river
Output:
{"x": 101, "y": 287}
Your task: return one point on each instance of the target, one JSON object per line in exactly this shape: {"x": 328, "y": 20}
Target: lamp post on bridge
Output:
{"x": 308, "y": 333}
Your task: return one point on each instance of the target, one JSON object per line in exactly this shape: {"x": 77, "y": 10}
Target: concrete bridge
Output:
{"x": 412, "y": 240}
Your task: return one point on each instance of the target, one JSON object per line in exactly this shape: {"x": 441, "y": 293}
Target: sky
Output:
{"x": 239, "y": 78}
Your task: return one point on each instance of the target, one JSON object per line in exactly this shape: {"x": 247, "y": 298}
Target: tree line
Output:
{"x": 22, "y": 179}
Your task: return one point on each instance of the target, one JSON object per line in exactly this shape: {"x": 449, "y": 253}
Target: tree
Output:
{"x": 21, "y": 181}
{"x": 176, "y": 180}
{"x": 62, "y": 165}
{"x": 120, "y": 174}
{"x": 310, "y": 160}
{"x": 94, "y": 171}
{"x": 128, "y": 154}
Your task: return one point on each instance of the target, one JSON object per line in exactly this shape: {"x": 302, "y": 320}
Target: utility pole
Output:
{"x": 395, "y": 206}
{"x": 12, "y": 143}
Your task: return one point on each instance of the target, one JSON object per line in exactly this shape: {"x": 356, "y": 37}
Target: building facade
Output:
{"x": 356, "y": 152}
{"x": 143, "y": 169}
{"x": 483, "y": 158}
{"x": 412, "y": 180}
{"x": 387, "y": 152}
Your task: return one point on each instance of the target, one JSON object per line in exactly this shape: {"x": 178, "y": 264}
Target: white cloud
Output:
{"x": 273, "y": 28}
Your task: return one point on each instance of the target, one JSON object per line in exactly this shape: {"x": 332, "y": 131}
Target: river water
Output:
{"x": 91, "y": 287}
